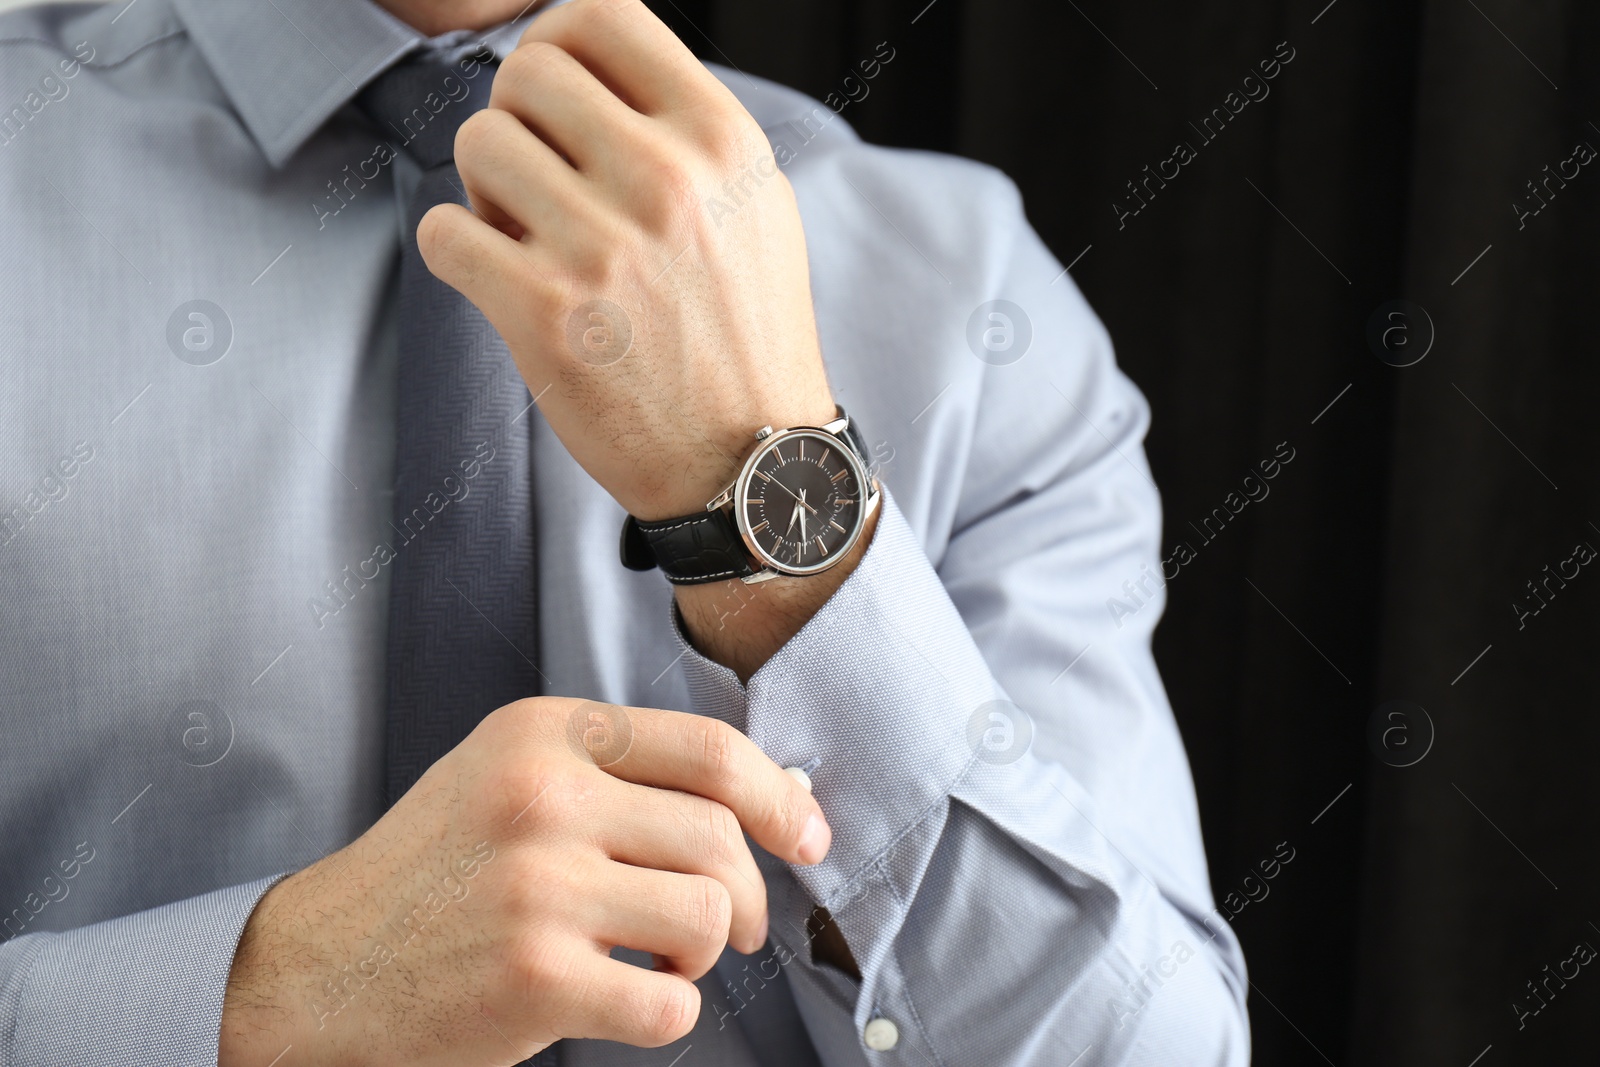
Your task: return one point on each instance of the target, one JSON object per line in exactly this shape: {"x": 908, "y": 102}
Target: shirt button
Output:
{"x": 881, "y": 1035}
{"x": 799, "y": 774}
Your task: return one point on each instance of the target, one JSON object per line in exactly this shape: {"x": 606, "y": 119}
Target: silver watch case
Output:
{"x": 734, "y": 495}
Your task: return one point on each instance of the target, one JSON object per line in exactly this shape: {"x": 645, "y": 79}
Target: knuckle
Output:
{"x": 667, "y": 182}
{"x": 790, "y": 812}
{"x": 671, "y": 1013}
{"x": 541, "y": 712}
{"x": 723, "y": 835}
{"x": 560, "y": 291}
{"x": 509, "y": 719}
{"x": 527, "y": 63}
{"x": 544, "y": 971}
{"x": 710, "y": 911}
{"x": 728, "y": 133}
{"x": 539, "y": 793}
{"x": 477, "y": 134}
{"x": 436, "y": 231}
{"x": 716, "y": 751}
{"x": 552, "y": 905}
{"x": 607, "y": 9}
{"x": 594, "y": 266}
{"x": 446, "y": 246}
{"x": 720, "y": 126}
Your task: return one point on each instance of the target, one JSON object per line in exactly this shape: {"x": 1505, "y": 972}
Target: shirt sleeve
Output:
{"x": 1016, "y": 862}
{"x": 145, "y": 988}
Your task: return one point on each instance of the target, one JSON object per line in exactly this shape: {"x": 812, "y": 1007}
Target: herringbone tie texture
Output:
{"x": 461, "y": 611}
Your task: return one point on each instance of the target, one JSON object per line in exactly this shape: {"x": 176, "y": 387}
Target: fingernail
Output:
{"x": 814, "y": 840}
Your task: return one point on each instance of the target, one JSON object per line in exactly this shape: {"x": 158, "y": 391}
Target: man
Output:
{"x": 340, "y": 342}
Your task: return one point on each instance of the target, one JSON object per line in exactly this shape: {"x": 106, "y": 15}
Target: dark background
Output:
{"x": 1387, "y": 559}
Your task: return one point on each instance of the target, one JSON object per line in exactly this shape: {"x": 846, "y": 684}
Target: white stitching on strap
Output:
{"x": 677, "y": 525}
{"x": 702, "y": 577}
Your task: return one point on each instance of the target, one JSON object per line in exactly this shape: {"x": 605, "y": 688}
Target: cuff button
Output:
{"x": 881, "y": 1035}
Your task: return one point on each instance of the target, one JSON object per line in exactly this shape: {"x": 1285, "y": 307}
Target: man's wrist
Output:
{"x": 255, "y": 1026}
{"x": 272, "y": 1001}
{"x": 740, "y": 626}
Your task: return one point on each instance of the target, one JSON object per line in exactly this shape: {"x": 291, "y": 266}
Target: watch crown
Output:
{"x": 763, "y": 433}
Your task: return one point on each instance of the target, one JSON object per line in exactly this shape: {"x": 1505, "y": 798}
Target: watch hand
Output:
{"x": 803, "y": 535}
{"x": 793, "y": 515}
{"x": 792, "y": 493}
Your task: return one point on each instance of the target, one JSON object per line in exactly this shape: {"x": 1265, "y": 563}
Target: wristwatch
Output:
{"x": 797, "y": 507}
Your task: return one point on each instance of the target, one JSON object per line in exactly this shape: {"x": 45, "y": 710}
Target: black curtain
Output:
{"x": 1377, "y": 254}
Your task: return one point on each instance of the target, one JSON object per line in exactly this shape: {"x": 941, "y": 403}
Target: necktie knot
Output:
{"x": 421, "y": 101}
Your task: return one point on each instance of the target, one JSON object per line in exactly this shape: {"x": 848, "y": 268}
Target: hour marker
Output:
{"x": 826, "y": 452}
{"x": 802, "y": 448}
{"x": 822, "y": 545}
{"x": 836, "y": 526}
{"x": 779, "y": 454}
{"x": 841, "y": 474}
{"x": 762, "y": 525}
{"x": 763, "y": 476}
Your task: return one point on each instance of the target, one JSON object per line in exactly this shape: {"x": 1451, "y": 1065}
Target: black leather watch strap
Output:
{"x": 692, "y": 549}
{"x": 858, "y": 444}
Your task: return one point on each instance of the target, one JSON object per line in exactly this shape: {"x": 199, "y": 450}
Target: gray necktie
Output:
{"x": 462, "y": 605}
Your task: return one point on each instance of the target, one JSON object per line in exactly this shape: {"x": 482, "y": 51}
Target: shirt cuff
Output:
{"x": 877, "y": 690}
{"x": 146, "y": 988}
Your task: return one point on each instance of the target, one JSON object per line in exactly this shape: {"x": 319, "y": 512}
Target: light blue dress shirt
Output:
{"x": 196, "y": 436}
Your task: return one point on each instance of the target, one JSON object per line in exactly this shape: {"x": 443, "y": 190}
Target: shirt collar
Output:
{"x": 289, "y": 65}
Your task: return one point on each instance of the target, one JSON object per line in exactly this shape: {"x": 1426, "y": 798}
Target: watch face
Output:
{"x": 802, "y": 501}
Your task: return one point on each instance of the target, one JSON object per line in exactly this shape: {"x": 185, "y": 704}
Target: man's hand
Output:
{"x": 634, "y": 242}
{"x": 472, "y": 924}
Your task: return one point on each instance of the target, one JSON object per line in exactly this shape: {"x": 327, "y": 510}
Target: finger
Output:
{"x": 557, "y": 98}
{"x": 635, "y": 1006}
{"x": 707, "y": 757}
{"x": 632, "y": 52}
{"x": 672, "y": 831}
{"x": 485, "y": 265}
{"x": 509, "y": 172}
{"x": 682, "y": 919}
